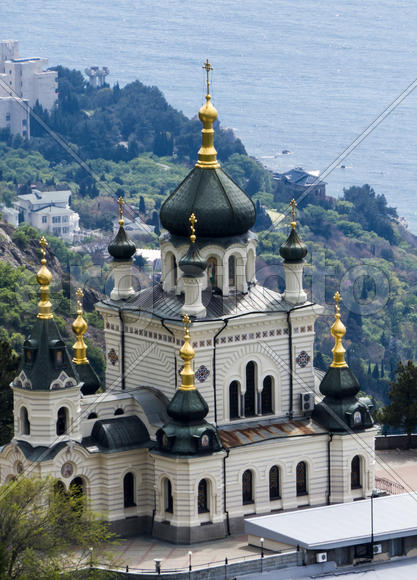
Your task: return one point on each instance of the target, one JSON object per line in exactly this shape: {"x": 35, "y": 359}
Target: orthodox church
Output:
{"x": 211, "y": 409}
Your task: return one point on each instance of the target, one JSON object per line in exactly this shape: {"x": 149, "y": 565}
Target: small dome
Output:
{"x": 223, "y": 209}
{"x": 121, "y": 248}
{"x": 187, "y": 407}
{"x": 293, "y": 250}
{"x": 208, "y": 112}
{"x": 192, "y": 264}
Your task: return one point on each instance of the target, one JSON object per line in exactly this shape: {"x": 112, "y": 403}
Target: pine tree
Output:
{"x": 142, "y": 205}
{"x": 402, "y": 410}
{"x": 369, "y": 369}
{"x": 382, "y": 369}
{"x": 375, "y": 372}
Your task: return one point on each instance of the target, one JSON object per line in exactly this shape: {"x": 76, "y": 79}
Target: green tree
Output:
{"x": 45, "y": 531}
{"x": 402, "y": 410}
{"x": 9, "y": 361}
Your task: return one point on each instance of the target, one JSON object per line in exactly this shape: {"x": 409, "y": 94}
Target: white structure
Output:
{"x": 97, "y": 76}
{"x": 159, "y": 456}
{"x": 23, "y": 81}
{"x": 49, "y": 212}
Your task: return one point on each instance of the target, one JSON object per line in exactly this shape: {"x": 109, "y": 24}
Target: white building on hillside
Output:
{"x": 49, "y": 212}
{"x": 23, "y": 81}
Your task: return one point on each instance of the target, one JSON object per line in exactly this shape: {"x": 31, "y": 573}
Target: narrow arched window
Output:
{"x": 119, "y": 412}
{"x": 250, "y": 408}
{"x": 355, "y": 473}
{"x": 266, "y": 396}
{"x": 62, "y": 421}
{"x": 24, "y": 421}
{"x": 301, "y": 474}
{"x": 59, "y": 487}
{"x": 169, "y": 502}
{"x": 212, "y": 271}
{"x": 77, "y": 487}
{"x": 92, "y": 416}
{"x": 129, "y": 490}
{"x": 203, "y": 506}
{"x": 274, "y": 483}
{"x": 234, "y": 400}
{"x": 247, "y": 487}
{"x": 232, "y": 272}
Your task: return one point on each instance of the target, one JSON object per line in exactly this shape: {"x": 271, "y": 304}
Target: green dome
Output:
{"x": 339, "y": 383}
{"x": 192, "y": 264}
{"x": 221, "y": 207}
{"x": 293, "y": 250}
{"x": 187, "y": 406}
{"x": 121, "y": 248}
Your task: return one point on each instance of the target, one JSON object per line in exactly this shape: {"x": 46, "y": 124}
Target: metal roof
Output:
{"x": 168, "y": 305}
{"x": 40, "y": 452}
{"x": 40, "y": 197}
{"x": 346, "y": 524}
{"x": 247, "y": 432}
{"x": 118, "y": 434}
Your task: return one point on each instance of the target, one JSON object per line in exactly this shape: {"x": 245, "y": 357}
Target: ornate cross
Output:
{"x": 293, "y": 205}
{"x": 79, "y": 294}
{"x": 193, "y": 220}
{"x": 207, "y": 66}
{"x": 121, "y": 202}
{"x": 43, "y": 243}
{"x": 337, "y": 298}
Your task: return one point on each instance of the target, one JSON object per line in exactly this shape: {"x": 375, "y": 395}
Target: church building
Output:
{"x": 211, "y": 409}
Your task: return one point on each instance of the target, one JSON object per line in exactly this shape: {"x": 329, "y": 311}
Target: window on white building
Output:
{"x": 56, "y": 219}
{"x": 44, "y": 219}
{"x": 65, "y": 230}
{"x": 65, "y": 218}
{"x": 7, "y": 116}
{"x": 56, "y": 231}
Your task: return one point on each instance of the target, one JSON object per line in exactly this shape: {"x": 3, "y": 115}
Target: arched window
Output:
{"x": 274, "y": 483}
{"x": 232, "y": 272}
{"x": 212, "y": 271}
{"x": 168, "y": 499}
{"x": 250, "y": 408}
{"x": 355, "y": 473}
{"x": 302, "y": 478}
{"x": 92, "y": 416}
{"x": 247, "y": 487}
{"x": 266, "y": 396}
{"x": 119, "y": 412}
{"x": 62, "y": 421}
{"x": 234, "y": 400}
{"x": 129, "y": 490}
{"x": 171, "y": 273}
{"x": 250, "y": 266}
{"x": 59, "y": 487}
{"x": 24, "y": 421}
{"x": 203, "y": 505}
{"x": 76, "y": 487}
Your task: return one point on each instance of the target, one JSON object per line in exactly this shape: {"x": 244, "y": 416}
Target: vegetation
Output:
{"x": 45, "y": 532}
{"x": 402, "y": 409}
{"x": 9, "y": 362}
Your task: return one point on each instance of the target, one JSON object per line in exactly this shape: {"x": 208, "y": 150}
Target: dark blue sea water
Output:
{"x": 302, "y": 75}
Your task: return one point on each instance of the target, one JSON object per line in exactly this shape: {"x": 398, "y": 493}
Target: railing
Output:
{"x": 218, "y": 570}
{"x": 391, "y": 487}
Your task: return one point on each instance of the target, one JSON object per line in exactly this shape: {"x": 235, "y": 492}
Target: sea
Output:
{"x": 305, "y": 77}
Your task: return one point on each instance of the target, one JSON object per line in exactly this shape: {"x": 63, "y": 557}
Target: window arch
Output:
{"x": 129, "y": 490}
{"x": 59, "y": 487}
{"x": 76, "y": 487}
{"x": 274, "y": 483}
{"x": 62, "y": 421}
{"x": 24, "y": 421}
{"x": 266, "y": 396}
{"x": 203, "y": 501}
{"x": 212, "y": 271}
{"x": 168, "y": 499}
{"x": 119, "y": 411}
{"x": 247, "y": 487}
{"x": 250, "y": 266}
{"x": 250, "y": 394}
{"x": 355, "y": 473}
{"x": 232, "y": 271}
{"x": 92, "y": 416}
{"x": 234, "y": 396}
{"x": 301, "y": 472}
{"x": 171, "y": 273}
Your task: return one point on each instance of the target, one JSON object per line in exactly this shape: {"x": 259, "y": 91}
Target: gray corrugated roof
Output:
{"x": 154, "y": 404}
{"x": 41, "y": 197}
{"x": 118, "y": 434}
{"x": 345, "y": 524}
{"x": 168, "y": 305}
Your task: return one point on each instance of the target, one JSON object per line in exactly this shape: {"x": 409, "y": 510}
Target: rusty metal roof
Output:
{"x": 168, "y": 305}
{"x": 246, "y": 433}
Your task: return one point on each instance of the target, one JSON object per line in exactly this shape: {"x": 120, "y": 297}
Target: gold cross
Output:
{"x": 293, "y": 205}
{"x": 337, "y": 298}
{"x": 186, "y": 320}
{"x": 193, "y": 220}
{"x": 79, "y": 294}
{"x": 207, "y": 66}
{"x": 121, "y": 202}
{"x": 43, "y": 243}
